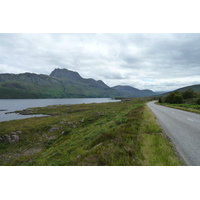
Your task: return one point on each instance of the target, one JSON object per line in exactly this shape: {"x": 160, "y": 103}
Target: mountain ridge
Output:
{"x": 61, "y": 83}
{"x": 130, "y": 91}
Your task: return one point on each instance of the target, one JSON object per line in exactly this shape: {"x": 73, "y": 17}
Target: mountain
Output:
{"x": 129, "y": 91}
{"x": 75, "y": 84}
{"x": 29, "y": 85}
{"x": 61, "y": 83}
{"x": 196, "y": 88}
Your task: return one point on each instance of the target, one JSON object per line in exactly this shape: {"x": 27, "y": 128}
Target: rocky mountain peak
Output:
{"x": 65, "y": 74}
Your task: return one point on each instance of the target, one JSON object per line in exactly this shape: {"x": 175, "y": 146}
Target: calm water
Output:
{"x": 19, "y": 104}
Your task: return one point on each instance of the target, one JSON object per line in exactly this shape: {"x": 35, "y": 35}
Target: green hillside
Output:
{"x": 128, "y": 91}
{"x": 29, "y": 85}
{"x": 196, "y": 88}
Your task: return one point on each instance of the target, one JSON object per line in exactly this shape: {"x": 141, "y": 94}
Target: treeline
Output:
{"x": 177, "y": 97}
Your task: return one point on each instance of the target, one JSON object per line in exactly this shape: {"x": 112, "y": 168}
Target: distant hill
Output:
{"x": 61, "y": 83}
{"x": 129, "y": 91}
{"x": 196, "y": 88}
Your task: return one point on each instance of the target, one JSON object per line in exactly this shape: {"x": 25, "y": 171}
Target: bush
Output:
{"x": 198, "y": 101}
{"x": 188, "y": 94}
{"x": 160, "y": 100}
{"x": 177, "y": 99}
{"x": 174, "y": 98}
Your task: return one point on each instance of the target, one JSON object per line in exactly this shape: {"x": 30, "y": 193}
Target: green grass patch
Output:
{"x": 186, "y": 107}
{"x": 155, "y": 147}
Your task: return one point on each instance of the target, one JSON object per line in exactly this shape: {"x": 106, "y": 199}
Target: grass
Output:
{"x": 156, "y": 148}
{"x": 105, "y": 134}
{"x": 186, "y": 107}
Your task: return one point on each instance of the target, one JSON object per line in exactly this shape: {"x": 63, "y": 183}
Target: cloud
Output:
{"x": 153, "y": 61}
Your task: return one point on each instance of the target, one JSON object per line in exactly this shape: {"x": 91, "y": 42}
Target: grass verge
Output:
{"x": 155, "y": 147}
{"x": 185, "y": 107}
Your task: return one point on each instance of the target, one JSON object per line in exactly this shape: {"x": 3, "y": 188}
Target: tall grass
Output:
{"x": 155, "y": 147}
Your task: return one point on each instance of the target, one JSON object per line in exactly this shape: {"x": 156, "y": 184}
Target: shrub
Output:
{"x": 188, "y": 94}
{"x": 160, "y": 100}
{"x": 177, "y": 99}
{"x": 198, "y": 101}
{"x": 174, "y": 98}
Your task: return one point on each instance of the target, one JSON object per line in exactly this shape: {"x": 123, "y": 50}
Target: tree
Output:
{"x": 169, "y": 98}
{"x": 177, "y": 99}
{"x": 174, "y": 98}
{"x": 160, "y": 100}
{"x": 188, "y": 94}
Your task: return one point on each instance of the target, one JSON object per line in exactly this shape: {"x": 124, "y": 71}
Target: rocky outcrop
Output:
{"x": 65, "y": 74}
{"x": 11, "y": 138}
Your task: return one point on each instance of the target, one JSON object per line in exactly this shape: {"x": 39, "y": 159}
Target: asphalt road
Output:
{"x": 183, "y": 128}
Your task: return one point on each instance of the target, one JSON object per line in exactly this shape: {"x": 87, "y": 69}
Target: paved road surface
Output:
{"x": 183, "y": 128}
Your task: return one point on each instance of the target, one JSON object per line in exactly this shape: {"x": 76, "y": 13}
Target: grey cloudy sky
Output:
{"x": 145, "y": 61}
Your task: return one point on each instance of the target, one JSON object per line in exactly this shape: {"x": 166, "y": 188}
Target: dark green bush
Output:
{"x": 160, "y": 100}
{"x": 188, "y": 94}
{"x": 174, "y": 98}
{"x": 198, "y": 101}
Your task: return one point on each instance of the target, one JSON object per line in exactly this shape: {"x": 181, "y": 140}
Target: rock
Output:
{"x": 54, "y": 129}
{"x": 69, "y": 123}
{"x": 82, "y": 120}
{"x": 9, "y": 112}
{"x": 74, "y": 126}
{"x": 67, "y": 131}
{"x": 1, "y": 139}
{"x": 44, "y": 134}
{"x": 7, "y": 138}
{"x": 19, "y": 132}
{"x": 15, "y": 138}
{"x": 63, "y": 133}
{"x": 51, "y": 137}
{"x": 11, "y": 139}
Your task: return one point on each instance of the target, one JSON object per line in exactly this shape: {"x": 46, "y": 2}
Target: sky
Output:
{"x": 160, "y": 62}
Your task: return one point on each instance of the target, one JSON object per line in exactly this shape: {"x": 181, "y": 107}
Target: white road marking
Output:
{"x": 190, "y": 119}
